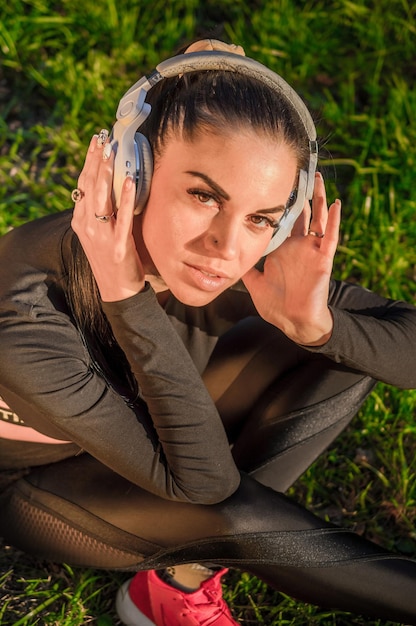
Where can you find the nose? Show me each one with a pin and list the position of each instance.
(223, 238)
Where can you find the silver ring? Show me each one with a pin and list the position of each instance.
(77, 195)
(314, 233)
(102, 137)
(104, 218)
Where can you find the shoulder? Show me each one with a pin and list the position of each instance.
(37, 232)
(32, 258)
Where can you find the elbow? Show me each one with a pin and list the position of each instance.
(215, 496)
(212, 491)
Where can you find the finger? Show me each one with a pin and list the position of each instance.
(95, 182)
(330, 241)
(319, 206)
(100, 189)
(302, 223)
(94, 157)
(87, 173)
(80, 205)
(89, 159)
(124, 223)
(125, 213)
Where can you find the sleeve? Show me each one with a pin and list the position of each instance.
(372, 334)
(172, 443)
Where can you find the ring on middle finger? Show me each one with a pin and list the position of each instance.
(315, 233)
(102, 137)
(104, 218)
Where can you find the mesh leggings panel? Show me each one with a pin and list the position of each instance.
(37, 531)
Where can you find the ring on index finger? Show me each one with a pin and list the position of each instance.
(77, 195)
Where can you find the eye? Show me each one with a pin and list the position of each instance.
(262, 222)
(205, 197)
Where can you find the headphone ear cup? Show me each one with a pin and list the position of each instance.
(145, 171)
(288, 220)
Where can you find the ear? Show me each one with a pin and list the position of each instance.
(145, 169)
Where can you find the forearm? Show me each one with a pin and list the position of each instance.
(372, 334)
(183, 414)
(48, 378)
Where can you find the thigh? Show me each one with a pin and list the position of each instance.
(246, 361)
(80, 512)
(297, 419)
(281, 405)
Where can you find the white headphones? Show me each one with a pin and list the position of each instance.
(133, 151)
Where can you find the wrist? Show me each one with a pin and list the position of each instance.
(311, 334)
(116, 293)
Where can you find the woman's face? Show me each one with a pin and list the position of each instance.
(212, 209)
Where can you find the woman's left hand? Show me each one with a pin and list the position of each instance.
(292, 291)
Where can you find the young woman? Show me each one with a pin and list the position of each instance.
(161, 389)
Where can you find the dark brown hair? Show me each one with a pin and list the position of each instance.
(222, 102)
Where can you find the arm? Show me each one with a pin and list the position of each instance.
(179, 448)
(372, 334)
(347, 323)
(179, 451)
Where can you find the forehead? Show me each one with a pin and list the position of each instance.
(242, 162)
(203, 139)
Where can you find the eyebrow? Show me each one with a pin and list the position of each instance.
(221, 192)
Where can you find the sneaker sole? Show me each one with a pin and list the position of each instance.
(127, 611)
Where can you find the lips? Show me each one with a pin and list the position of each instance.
(208, 271)
(207, 278)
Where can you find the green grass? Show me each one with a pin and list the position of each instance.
(63, 67)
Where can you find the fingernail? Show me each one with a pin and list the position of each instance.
(128, 182)
(107, 151)
(102, 137)
(319, 175)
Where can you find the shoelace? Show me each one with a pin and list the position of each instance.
(207, 611)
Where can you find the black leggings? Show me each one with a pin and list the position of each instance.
(281, 406)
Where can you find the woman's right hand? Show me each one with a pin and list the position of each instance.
(109, 245)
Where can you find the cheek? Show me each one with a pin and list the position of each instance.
(250, 261)
(153, 232)
(253, 251)
(161, 230)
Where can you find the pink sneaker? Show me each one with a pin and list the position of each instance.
(146, 600)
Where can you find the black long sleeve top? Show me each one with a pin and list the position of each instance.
(171, 440)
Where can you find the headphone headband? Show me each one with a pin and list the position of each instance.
(133, 111)
(220, 61)
(229, 62)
